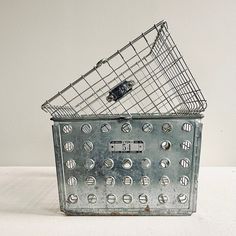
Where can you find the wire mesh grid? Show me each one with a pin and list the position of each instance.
(147, 76)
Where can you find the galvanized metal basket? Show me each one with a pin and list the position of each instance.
(127, 134)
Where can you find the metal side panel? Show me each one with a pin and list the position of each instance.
(59, 164)
(196, 156)
(127, 167)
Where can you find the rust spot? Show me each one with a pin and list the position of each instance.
(147, 208)
(115, 213)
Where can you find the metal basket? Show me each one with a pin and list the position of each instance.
(149, 70)
(127, 134)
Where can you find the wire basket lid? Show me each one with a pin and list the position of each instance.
(146, 76)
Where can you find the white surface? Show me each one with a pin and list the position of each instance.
(29, 206)
(45, 45)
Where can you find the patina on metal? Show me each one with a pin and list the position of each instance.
(124, 180)
(127, 134)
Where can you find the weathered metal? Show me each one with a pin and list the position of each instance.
(127, 134)
(154, 181)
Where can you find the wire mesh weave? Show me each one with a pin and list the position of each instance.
(162, 82)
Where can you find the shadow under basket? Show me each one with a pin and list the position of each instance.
(127, 134)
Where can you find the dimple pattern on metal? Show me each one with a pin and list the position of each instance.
(161, 180)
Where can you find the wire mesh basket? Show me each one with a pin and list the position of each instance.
(147, 76)
(127, 134)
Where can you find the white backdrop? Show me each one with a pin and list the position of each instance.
(46, 44)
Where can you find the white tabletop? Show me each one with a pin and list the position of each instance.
(29, 206)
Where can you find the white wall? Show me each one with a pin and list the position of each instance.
(46, 44)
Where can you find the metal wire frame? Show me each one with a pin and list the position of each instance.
(164, 84)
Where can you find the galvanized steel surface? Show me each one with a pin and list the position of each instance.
(160, 180)
(146, 76)
(127, 133)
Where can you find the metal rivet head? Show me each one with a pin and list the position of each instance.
(67, 129)
(72, 198)
(70, 164)
(105, 128)
(127, 198)
(143, 198)
(127, 180)
(111, 198)
(126, 127)
(145, 163)
(86, 128)
(88, 146)
(184, 180)
(147, 128)
(90, 180)
(164, 180)
(89, 164)
(110, 181)
(92, 198)
(109, 163)
(72, 181)
(127, 163)
(145, 180)
(162, 198)
(185, 163)
(182, 198)
(167, 127)
(69, 146)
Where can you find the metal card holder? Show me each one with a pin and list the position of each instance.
(127, 134)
